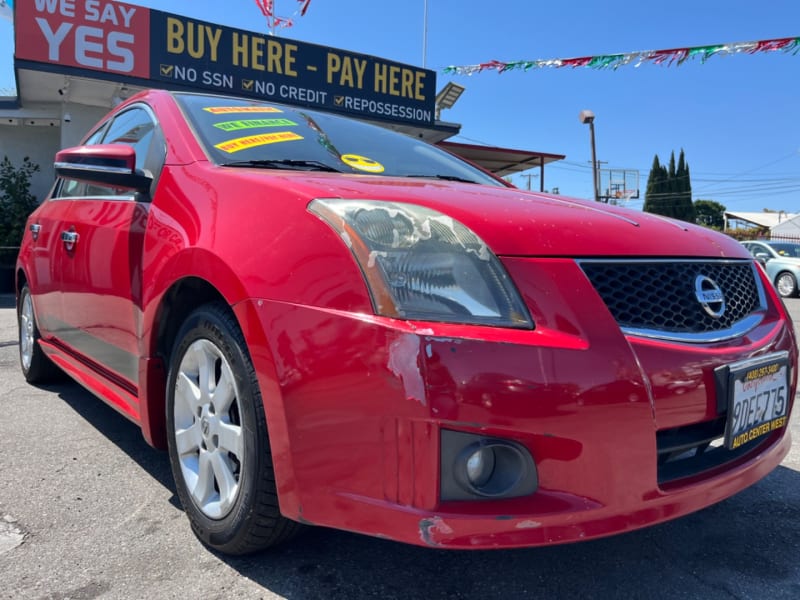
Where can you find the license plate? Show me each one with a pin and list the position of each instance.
(758, 398)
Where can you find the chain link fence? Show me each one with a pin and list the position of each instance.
(761, 233)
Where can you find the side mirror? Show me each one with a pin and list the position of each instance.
(762, 257)
(113, 165)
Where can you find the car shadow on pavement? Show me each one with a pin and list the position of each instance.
(124, 434)
(8, 301)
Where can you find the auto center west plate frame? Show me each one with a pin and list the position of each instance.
(755, 394)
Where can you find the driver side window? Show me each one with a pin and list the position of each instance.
(134, 127)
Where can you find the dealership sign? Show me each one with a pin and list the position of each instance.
(158, 49)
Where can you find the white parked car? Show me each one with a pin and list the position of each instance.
(781, 261)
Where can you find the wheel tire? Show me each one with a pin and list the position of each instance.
(217, 436)
(786, 284)
(36, 366)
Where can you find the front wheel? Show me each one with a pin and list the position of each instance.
(786, 284)
(218, 445)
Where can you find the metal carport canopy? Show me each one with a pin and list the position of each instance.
(502, 161)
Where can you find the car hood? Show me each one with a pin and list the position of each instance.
(788, 260)
(515, 222)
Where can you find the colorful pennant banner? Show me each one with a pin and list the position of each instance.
(675, 56)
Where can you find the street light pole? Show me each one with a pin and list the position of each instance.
(587, 116)
(424, 32)
(595, 169)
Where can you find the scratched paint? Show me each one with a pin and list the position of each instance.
(428, 527)
(528, 524)
(404, 363)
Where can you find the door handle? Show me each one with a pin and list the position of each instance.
(70, 238)
(35, 229)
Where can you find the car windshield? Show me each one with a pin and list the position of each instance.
(786, 249)
(239, 132)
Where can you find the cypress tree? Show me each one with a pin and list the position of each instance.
(672, 187)
(683, 195)
(652, 194)
(669, 190)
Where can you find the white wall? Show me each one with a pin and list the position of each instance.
(82, 119)
(789, 228)
(39, 143)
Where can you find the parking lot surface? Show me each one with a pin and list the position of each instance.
(88, 510)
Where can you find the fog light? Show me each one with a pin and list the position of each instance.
(480, 466)
(475, 467)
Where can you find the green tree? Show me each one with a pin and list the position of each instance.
(669, 190)
(684, 209)
(16, 200)
(655, 191)
(709, 213)
(672, 186)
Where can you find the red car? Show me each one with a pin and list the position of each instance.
(329, 323)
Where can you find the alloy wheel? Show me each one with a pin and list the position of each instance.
(786, 285)
(208, 432)
(26, 332)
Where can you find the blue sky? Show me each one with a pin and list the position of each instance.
(736, 117)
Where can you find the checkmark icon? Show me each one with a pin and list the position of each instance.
(166, 70)
(247, 85)
(338, 100)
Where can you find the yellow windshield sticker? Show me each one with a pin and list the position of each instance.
(253, 124)
(221, 110)
(362, 163)
(251, 141)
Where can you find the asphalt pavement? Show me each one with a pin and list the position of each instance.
(88, 510)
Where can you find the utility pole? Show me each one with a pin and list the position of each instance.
(528, 175)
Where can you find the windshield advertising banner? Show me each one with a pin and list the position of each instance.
(132, 43)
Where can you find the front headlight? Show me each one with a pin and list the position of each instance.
(421, 264)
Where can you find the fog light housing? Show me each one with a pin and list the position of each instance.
(479, 467)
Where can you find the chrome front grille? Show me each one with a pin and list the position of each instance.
(659, 298)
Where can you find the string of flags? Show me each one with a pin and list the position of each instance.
(267, 8)
(674, 56)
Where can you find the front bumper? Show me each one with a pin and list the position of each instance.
(355, 405)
